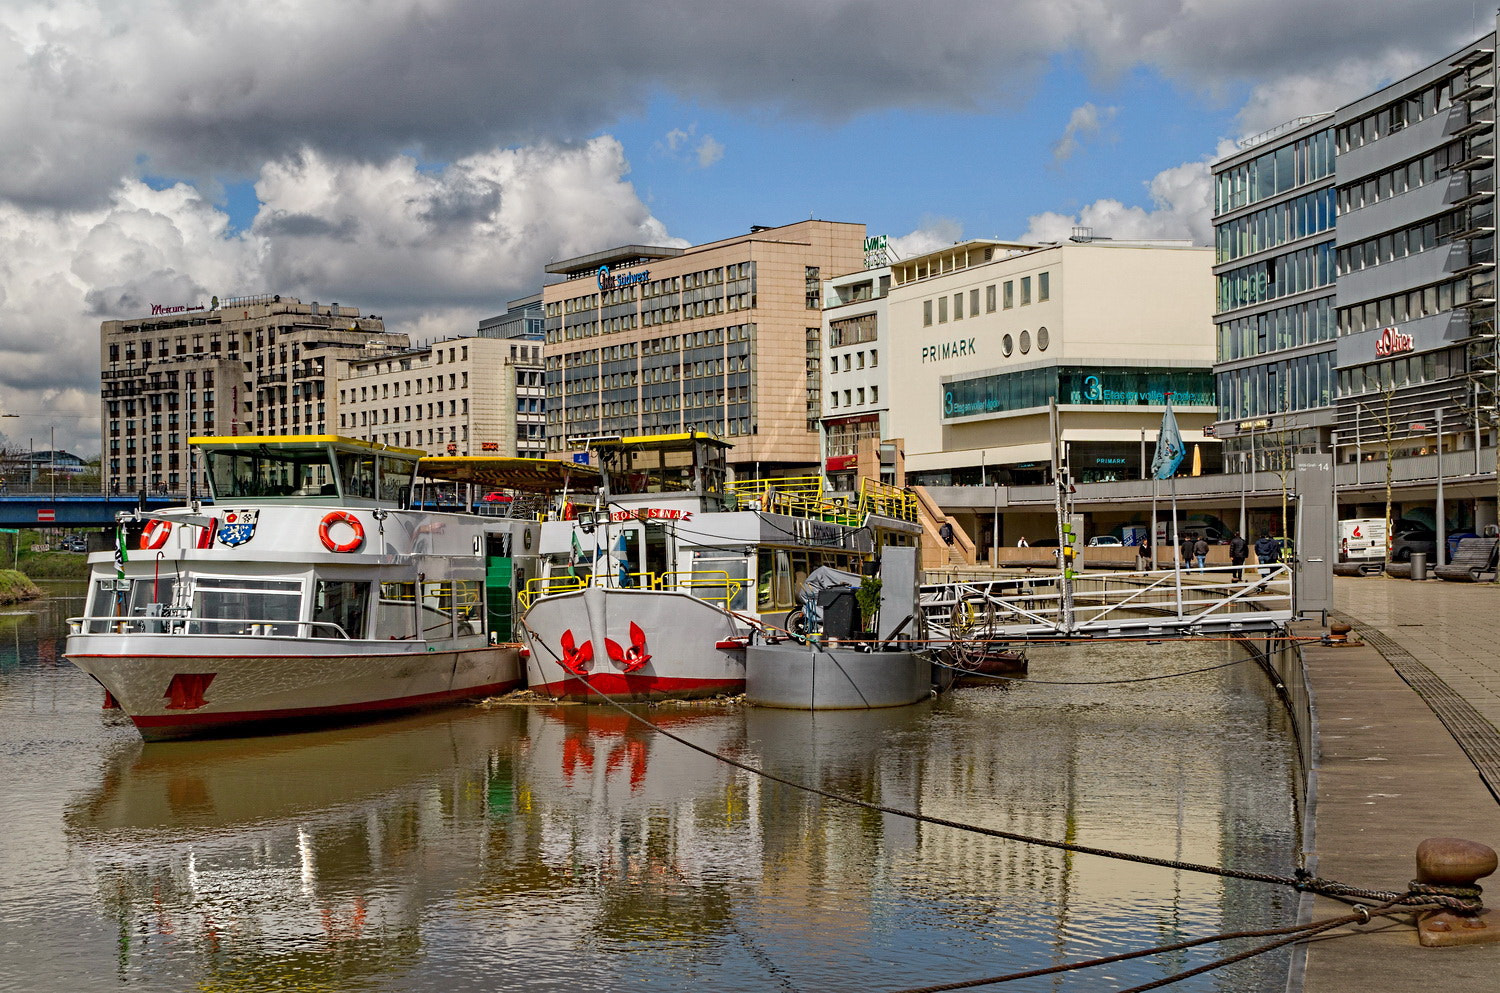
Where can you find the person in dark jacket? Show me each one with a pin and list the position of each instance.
(1186, 551)
(1239, 550)
(1200, 552)
(946, 532)
(1145, 553)
(1266, 549)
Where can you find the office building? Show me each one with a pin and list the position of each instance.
(723, 337)
(855, 383)
(1274, 232)
(985, 333)
(463, 396)
(249, 365)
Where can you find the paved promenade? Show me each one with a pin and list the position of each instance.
(1409, 743)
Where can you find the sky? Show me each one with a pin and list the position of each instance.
(425, 159)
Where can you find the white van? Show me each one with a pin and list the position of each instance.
(1362, 539)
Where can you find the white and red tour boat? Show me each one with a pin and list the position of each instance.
(312, 589)
(656, 591)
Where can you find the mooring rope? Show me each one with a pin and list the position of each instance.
(1448, 898)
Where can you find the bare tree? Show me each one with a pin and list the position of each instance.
(1385, 423)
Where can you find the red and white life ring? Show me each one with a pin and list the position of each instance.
(155, 533)
(345, 518)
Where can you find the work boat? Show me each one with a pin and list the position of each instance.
(311, 590)
(655, 593)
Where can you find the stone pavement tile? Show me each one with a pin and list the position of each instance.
(1389, 776)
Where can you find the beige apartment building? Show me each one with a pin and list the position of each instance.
(465, 396)
(249, 365)
(984, 333)
(723, 337)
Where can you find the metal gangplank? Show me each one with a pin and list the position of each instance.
(1116, 604)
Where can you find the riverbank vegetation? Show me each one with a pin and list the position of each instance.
(15, 587)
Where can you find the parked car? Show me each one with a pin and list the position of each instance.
(1420, 540)
(75, 543)
(1104, 539)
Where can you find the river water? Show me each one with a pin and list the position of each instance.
(567, 848)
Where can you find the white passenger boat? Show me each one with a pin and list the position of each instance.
(655, 593)
(311, 590)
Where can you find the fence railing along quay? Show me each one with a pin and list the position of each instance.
(1163, 602)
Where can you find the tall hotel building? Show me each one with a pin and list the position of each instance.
(251, 365)
(1356, 270)
(723, 337)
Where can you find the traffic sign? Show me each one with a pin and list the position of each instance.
(45, 516)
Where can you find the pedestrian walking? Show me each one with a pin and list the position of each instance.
(1023, 543)
(946, 532)
(1265, 550)
(1200, 552)
(1185, 551)
(1239, 550)
(1145, 552)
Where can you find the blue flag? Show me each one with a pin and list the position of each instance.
(1169, 447)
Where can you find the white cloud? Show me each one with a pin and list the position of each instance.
(430, 251)
(709, 151)
(1085, 123)
(935, 233)
(1180, 210)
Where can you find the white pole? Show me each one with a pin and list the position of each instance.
(1442, 512)
(1155, 489)
(1176, 546)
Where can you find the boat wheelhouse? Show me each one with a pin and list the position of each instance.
(655, 592)
(310, 590)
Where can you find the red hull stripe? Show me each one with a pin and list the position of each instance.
(299, 713)
(617, 684)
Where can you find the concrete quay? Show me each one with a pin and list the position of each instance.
(1405, 734)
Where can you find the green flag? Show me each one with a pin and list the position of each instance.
(121, 556)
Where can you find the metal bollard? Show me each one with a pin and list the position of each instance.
(1418, 565)
(1458, 863)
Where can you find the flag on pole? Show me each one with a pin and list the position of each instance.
(121, 556)
(1169, 447)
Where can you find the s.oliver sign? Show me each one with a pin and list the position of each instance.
(1393, 342)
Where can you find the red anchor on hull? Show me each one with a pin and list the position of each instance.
(576, 657)
(632, 658)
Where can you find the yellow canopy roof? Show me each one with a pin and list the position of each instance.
(510, 473)
(661, 442)
(294, 441)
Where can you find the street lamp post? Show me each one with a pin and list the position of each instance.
(1441, 551)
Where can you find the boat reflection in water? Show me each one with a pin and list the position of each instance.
(567, 847)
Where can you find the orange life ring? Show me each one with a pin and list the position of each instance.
(341, 517)
(155, 534)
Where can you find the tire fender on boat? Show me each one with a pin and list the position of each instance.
(155, 533)
(341, 517)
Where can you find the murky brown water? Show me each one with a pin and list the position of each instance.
(566, 848)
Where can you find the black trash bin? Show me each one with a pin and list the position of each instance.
(839, 612)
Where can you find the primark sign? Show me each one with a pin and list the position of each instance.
(958, 348)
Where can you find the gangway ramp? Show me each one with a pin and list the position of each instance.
(1163, 603)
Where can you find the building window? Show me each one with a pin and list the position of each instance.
(1010, 294)
(1025, 290)
(1043, 287)
(942, 310)
(989, 299)
(814, 286)
(926, 320)
(958, 306)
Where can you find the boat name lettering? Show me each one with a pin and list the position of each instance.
(652, 514)
(807, 530)
(950, 349)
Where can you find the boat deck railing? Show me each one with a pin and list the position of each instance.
(1019, 608)
(806, 496)
(166, 623)
(714, 586)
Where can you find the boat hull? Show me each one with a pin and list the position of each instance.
(803, 677)
(170, 696)
(686, 641)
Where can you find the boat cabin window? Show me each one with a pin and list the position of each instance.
(132, 597)
(357, 474)
(720, 576)
(396, 613)
(340, 609)
(780, 573)
(451, 609)
(246, 606)
(395, 479)
(266, 472)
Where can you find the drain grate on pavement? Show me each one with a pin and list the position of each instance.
(1475, 735)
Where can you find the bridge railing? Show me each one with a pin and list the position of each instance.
(1110, 603)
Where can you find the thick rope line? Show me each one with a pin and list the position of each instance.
(1467, 900)
(1296, 931)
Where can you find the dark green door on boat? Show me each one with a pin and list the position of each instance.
(499, 593)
